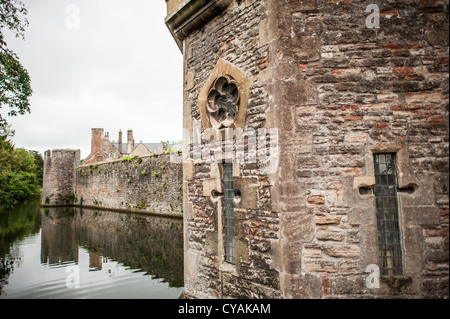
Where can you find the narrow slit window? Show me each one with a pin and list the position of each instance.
(385, 190)
(228, 212)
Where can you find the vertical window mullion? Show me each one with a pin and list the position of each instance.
(228, 212)
(385, 191)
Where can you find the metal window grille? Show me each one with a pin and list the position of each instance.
(229, 212)
(385, 190)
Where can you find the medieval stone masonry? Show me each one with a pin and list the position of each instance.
(59, 176)
(148, 184)
(144, 184)
(315, 155)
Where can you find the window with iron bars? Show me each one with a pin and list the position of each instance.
(385, 190)
(228, 212)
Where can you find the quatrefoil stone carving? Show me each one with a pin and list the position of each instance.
(224, 97)
(223, 102)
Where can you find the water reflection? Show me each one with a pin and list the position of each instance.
(15, 225)
(58, 237)
(108, 242)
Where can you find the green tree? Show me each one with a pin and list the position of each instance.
(39, 162)
(18, 174)
(15, 83)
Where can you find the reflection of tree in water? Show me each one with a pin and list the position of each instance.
(148, 243)
(15, 225)
(8, 263)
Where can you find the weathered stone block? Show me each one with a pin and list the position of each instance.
(342, 250)
(312, 253)
(330, 235)
(437, 29)
(301, 286)
(316, 200)
(328, 220)
(349, 285)
(321, 266)
(304, 5)
(422, 215)
(297, 226)
(363, 181)
(212, 186)
(248, 188)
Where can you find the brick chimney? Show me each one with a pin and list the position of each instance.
(120, 142)
(96, 140)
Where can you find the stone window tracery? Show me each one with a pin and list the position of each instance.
(223, 102)
(223, 98)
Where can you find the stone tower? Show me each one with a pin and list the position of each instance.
(59, 179)
(315, 147)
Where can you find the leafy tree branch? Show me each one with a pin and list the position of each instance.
(15, 83)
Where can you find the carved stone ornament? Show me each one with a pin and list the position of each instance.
(224, 97)
(223, 102)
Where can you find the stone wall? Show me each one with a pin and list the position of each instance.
(59, 176)
(233, 37)
(151, 184)
(342, 92)
(337, 91)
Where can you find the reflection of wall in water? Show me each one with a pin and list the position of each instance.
(58, 243)
(95, 262)
(153, 244)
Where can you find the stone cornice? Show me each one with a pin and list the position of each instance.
(183, 17)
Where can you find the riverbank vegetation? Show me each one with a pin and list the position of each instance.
(20, 170)
(20, 174)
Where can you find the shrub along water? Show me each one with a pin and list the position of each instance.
(20, 174)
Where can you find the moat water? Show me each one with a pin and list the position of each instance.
(82, 253)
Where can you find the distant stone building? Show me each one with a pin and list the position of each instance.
(102, 149)
(315, 148)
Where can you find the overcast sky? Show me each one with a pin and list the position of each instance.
(109, 64)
